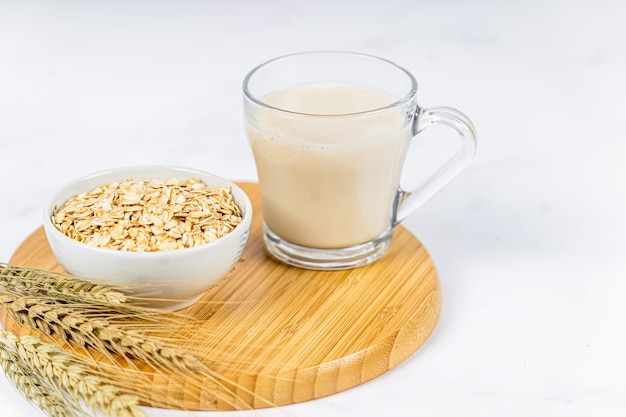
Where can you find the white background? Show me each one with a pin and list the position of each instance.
(529, 241)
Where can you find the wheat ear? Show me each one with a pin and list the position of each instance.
(34, 388)
(88, 327)
(106, 337)
(42, 302)
(58, 382)
(25, 280)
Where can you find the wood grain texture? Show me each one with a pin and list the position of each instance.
(284, 335)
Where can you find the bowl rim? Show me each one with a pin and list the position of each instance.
(49, 209)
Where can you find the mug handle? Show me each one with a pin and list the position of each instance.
(408, 201)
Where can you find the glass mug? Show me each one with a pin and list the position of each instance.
(330, 131)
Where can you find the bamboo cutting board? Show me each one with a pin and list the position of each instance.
(285, 335)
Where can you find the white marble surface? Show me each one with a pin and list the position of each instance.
(529, 241)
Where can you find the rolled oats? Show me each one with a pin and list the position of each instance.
(149, 215)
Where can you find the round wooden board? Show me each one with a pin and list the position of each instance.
(285, 335)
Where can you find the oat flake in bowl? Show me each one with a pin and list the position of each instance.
(146, 215)
(169, 279)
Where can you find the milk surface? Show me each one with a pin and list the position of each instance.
(329, 178)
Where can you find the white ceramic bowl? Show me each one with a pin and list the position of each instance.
(169, 279)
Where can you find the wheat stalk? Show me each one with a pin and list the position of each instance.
(106, 337)
(34, 388)
(24, 280)
(79, 324)
(58, 381)
(101, 319)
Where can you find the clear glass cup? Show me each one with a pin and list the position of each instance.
(330, 131)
